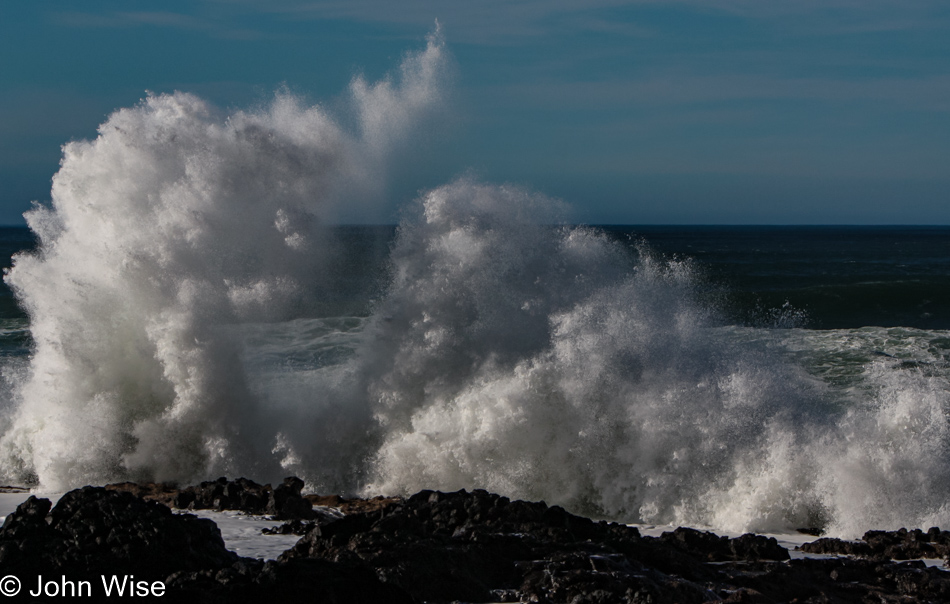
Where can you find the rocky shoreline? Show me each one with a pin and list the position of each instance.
(435, 547)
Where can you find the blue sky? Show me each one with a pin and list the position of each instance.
(715, 111)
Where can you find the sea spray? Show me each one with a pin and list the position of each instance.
(185, 308)
(549, 362)
(176, 221)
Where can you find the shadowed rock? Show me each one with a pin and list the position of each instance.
(284, 502)
(713, 548)
(93, 530)
(446, 547)
(888, 545)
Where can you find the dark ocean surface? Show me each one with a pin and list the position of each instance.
(838, 277)
(825, 277)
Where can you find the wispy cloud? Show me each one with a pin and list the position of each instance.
(128, 19)
(489, 21)
(485, 22)
(930, 93)
(834, 17)
(506, 22)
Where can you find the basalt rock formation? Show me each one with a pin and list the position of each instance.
(284, 502)
(888, 545)
(92, 531)
(446, 547)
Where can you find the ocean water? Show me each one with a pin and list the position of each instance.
(185, 308)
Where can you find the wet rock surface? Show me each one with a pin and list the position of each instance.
(713, 548)
(479, 547)
(901, 544)
(312, 580)
(92, 530)
(445, 547)
(352, 505)
(293, 527)
(283, 502)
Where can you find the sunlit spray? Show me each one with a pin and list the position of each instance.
(183, 308)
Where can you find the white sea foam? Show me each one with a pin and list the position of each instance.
(179, 306)
(549, 363)
(178, 220)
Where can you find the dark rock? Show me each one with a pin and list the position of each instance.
(293, 527)
(27, 517)
(713, 548)
(223, 494)
(828, 545)
(577, 577)
(888, 545)
(96, 531)
(477, 547)
(151, 491)
(701, 544)
(445, 547)
(184, 500)
(327, 582)
(908, 545)
(284, 503)
(317, 581)
(757, 547)
(93, 530)
(352, 505)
